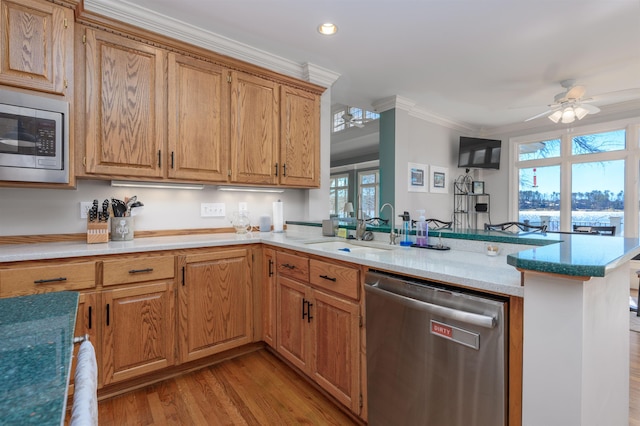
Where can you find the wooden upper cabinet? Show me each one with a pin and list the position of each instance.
(300, 138)
(124, 108)
(36, 45)
(198, 124)
(254, 129)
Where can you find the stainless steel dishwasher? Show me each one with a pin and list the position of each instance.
(435, 355)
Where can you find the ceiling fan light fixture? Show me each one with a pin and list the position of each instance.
(568, 115)
(580, 112)
(556, 116)
(327, 29)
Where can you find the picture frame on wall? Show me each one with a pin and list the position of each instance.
(417, 177)
(478, 187)
(439, 179)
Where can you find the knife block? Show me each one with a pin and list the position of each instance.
(97, 232)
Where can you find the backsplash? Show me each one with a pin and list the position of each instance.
(25, 211)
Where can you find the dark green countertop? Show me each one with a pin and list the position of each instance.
(573, 254)
(36, 346)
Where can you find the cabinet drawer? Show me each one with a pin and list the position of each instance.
(45, 278)
(138, 269)
(293, 266)
(336, 278)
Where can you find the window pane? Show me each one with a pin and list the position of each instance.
(536, 150)
(597, 193)
(599, 142)
(369, 198)
(368, 178)
(539, 196)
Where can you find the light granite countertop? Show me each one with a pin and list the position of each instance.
(466, 264)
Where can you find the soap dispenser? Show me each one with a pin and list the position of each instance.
(422, 230)
(406, 225)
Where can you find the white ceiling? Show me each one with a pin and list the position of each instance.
(481, 63)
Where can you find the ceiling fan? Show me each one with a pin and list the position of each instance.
(350, 120)
(569, 105)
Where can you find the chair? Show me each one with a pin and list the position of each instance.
(595, 230)
(438, 224)
(521, 226)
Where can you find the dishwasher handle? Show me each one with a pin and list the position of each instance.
(455, 314)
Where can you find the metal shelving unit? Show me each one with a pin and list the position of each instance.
(469, 207)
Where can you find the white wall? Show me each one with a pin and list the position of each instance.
(423, 142)
(51, 211)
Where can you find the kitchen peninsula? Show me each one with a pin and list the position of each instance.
(575, 296)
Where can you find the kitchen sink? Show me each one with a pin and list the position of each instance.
(349, 246)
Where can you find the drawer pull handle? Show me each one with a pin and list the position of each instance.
(50, 280)
(138, 271)
(328, 278)
(286, 265)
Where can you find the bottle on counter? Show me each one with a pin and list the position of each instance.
(406, 229)
(422, 230)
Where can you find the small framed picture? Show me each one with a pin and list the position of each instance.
(439, 180)
(417, 178)
(478, 187)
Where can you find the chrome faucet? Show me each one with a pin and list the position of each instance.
(392, 234)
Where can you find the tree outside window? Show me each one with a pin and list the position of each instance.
(368, 190)
(338, 193)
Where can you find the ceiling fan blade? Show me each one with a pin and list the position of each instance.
(576, 92)
(591, 108)
(549, 111)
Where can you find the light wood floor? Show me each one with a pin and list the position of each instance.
(258, 389)
(253, 389)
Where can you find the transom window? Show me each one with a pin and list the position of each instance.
(348, 117)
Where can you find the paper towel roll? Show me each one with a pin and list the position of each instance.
(278, 216)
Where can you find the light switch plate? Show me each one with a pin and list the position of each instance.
(85, 206)
(212, 210)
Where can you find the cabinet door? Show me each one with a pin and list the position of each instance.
(198, 125)
(215, 303)
(86, 324)
(36, 45)
(292, 334)
(269, 297)
(300, 138)
(254, 129)
(336, 331)
(124, 107)
(138, 330)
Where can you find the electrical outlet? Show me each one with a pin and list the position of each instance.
(242, 206)
(85, 206)
(212, 210)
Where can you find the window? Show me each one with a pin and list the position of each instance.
(359, 117)
(338, 193)
(573, 180)
(368, 190)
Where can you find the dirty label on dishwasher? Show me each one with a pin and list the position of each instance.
(455, 334)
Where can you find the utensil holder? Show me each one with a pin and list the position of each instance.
(122, 228)
(97, 232)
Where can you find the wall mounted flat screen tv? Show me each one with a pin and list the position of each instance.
(477, 153)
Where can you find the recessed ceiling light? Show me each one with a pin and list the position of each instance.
(327, 29)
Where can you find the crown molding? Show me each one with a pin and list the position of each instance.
(132, 14)
(319, 75)
(406, 104)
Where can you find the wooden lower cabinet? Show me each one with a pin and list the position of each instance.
(138, 330)
(86, 324)
(319, 333)
(215, 303)
(269, 297)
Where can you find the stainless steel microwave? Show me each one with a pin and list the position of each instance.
(34, 138)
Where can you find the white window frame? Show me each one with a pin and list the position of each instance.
(339, 209)
(368, 185)
(631, 156)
